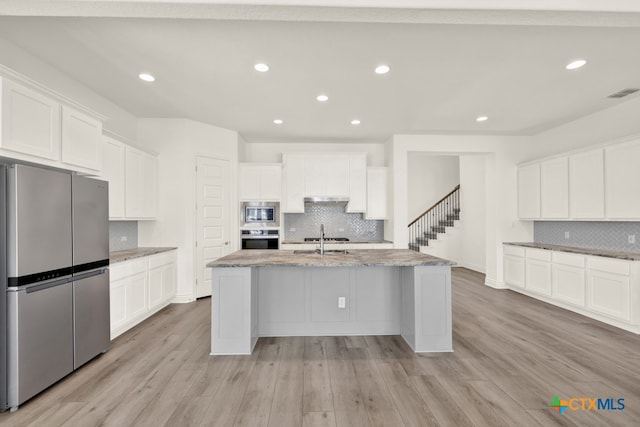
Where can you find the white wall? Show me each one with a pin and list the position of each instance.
(178, 142)
(430, 178)
(613, 123)
(271, 150)
(502, 224)
(473, 216)
(118, 120)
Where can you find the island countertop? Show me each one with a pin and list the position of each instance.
(353, 258)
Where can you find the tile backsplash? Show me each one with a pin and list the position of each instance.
(337, 223)
(123, 235)
(588, 234)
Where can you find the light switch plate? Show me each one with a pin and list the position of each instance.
(566, 234)
(632, 239)
(342, 302)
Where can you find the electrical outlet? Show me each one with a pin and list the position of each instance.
(292, 229)
(632, 239)
(342, 302)
(340, 229)
(566, 234)
(123, 238)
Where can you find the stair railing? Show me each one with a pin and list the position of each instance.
(433, 221)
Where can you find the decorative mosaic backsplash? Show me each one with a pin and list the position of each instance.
(120, 229)
(337, 223)
(597, 234)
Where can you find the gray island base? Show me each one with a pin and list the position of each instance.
(264, 293)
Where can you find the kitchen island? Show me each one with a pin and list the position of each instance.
(357, 292)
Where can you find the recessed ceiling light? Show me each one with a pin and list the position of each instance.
(146, 77)
(382, 69)
(576, 64)
(482, 119)
(355, 122)
(278, 121)
(263, 68)
(322, 98)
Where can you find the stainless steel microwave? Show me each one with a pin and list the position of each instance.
(263, 214)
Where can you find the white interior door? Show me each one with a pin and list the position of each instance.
(213, 222)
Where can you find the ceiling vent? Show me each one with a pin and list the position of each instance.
(623, 93)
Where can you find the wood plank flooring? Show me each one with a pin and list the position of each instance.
(512, 355)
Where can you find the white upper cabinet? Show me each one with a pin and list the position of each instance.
(586, 185)
(113, 171)
(294, 183)
(377, 193)
(622, 180)
(357, 183)
(554, 188)
(81, 139)
(337, 176)
(140, 184)
(260, 181)
(529, 191)
(30, 122)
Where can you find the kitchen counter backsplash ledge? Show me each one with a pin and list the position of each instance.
(632, 256)
(129, 254)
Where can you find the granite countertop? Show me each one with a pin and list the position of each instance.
(333, 242)
(632, 256)
(353, 258)
(129, 254)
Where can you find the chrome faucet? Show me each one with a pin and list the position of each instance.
(321, 239)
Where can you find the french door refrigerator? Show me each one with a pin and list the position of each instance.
(58, 281)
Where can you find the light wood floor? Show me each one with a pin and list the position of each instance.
(512, 354)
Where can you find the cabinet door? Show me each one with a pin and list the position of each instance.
(250, 182)
(609, 294)
(586, 185)
(117, 298)
(376, 193)
(538, 277)
(136, 296)
(168, 282)
(622, 180)
(294, 175)
(271, 183)
(568, 284)
(529, 191)
(134, 160)
(149, 185)
(357, 183)
(113, 171)
(30, 122)
(155, 287)
(554, 188)
(337, 176)
(315, 175)
(514, 271)
(81, 139)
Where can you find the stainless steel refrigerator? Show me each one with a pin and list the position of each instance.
(58, 279)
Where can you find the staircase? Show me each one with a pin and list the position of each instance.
(435, 220)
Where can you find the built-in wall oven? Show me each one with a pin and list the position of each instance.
(259, 239)
(260, 214)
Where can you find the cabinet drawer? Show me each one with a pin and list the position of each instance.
(572, 260)
(538, 254)
(608, 265)
(513, 250)
(162, 259)
(127, 268)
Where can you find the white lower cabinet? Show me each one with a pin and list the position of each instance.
(139, 288)
(602, 288)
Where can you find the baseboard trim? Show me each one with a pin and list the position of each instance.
(183, 299)
(492, 283)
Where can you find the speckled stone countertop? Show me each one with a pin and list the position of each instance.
(354, 258)
(632, 256)
(129, 254)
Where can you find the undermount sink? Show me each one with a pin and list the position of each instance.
(326, 252)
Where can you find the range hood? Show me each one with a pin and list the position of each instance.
(327, 200)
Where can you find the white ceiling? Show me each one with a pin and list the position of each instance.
(443, 75)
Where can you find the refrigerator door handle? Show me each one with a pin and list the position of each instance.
(44, 286)
(88, 274)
